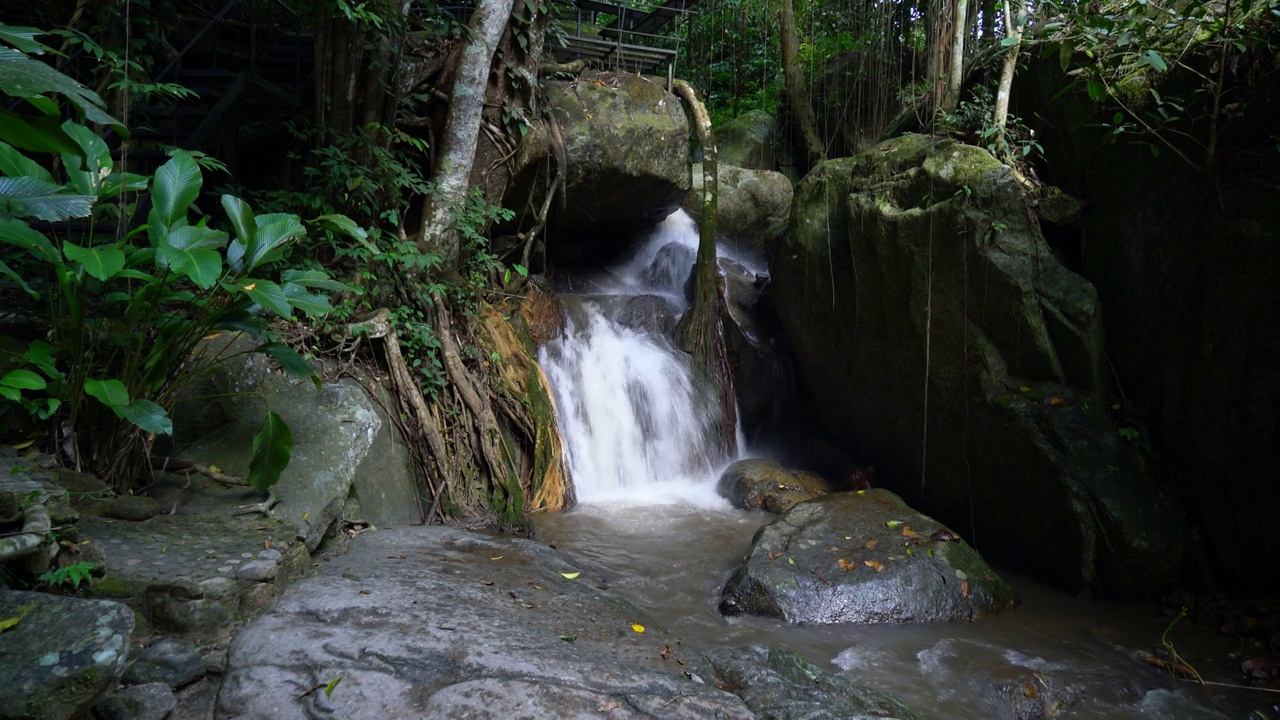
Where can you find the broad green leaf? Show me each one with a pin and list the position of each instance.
(235, 255)
(313, 279)
(23, 77)
(309, 303)
(103, 263)
(9, 272)
(149, 416)
(23, 380)
(31, 197)
(111, 393)
(24, 39)
(190, 251)
(291, 361)
(15, 164)
(16, 232)
(270, 237)
(118, 182)
(241, 216)
(10, 394)
(96, 154)
(176, 185)
(1097, 91)
(272, 447)
(1152, 58)
(35, 134)
(267, 294)
(343, 224)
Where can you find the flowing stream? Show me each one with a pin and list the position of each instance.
(642, 465)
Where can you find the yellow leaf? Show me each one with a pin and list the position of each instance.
(637, 628)
(211, 336)
(6, 624)
(846, 565)
(250, 286)
(496, 557)
(215, 468)
(848, 537)
(908, 532)
(877, 566)
(306, 515)
(571, 575)
(23, 444)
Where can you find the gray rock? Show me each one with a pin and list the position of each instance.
(134, 508)
(62, 655)
(671, 270)
(612, 190)
(387, 487)
(333, 429)
(196, 701)
(748, 201)
(651, 314)
(747, 141)
(918, 265)
(151, 701)
(765, 485)
(782, 685)
(205, 611)
(439, 622)
(862, 557)
(169, 661)
(258, 570)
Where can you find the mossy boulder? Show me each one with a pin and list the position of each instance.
(759, 484)
(626, 143)
(946, 345)
(748, 204)
(863, 557)
(748, 141)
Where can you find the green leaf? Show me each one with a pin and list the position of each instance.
(111, 393)
(15, 164)
(893, 523)
(291, 361)
(176, 185)
(1097, 91)
(23, 38)
(9, 272)
(272, 233)
(31, 197)
(101, 262)
(328, 689)
(309, 303)
(149, 416)
(23, 380)
(23, 77)
(343, 224)
(1152, 58)
(272, 447)
(267, 294)
(16, 232)
(313, 279)
(35, 134)
(97, 159)
(241, 216)
(189, 251)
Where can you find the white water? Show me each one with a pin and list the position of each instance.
(636, 428)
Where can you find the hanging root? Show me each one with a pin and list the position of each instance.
(562, 164)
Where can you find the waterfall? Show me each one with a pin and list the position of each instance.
(636, 428)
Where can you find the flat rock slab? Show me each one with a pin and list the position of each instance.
(440, 622)
(862, 557)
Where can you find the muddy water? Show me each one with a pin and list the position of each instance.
(672, 559)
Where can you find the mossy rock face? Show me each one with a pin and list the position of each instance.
(627, 146)
(946, 345)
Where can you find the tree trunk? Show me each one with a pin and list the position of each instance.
(797, 91)
(955, 76)
(462, 127)
(702, 330)
(1013, 28)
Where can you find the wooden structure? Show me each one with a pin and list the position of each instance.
(618, 37)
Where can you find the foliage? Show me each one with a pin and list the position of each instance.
(1173, 73)
(71, 575)
(128, 307)
(974, 117)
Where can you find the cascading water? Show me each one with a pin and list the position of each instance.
(636, 427)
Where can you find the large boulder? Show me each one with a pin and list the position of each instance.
(748, 141)
(441, 622)
(862, 557)
(61, 654)
(626, 144)
(944, 344)
(759, 484)
(748, 202)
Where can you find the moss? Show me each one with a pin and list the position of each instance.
(118, 586)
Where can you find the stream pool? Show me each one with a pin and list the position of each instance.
(672, 559)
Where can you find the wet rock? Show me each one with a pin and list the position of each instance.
(766, 485)
(134, 508)
(671, 270)
(205, 610)
(780, 684)
(439, 622)
(747, 141)
(748, 201)
(627, 144)
(196, 701)
(650, 313)
(862, 557)
(151, 701)
(884, 312)
(1007, 683)
(62, 655)
(169, 661)
(258, 570)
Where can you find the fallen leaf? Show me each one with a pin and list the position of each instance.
(944, 535)
(486, 582)
(893, 523)
(306, 515)
(637, 628)
(526, 606)
(568, 638)
(862, 492)
(266, 543)
(846, 565)
(1056, 401)
(871, 544)
(513, 595)
(791, 561)
(774, 555)
(835, 549)
(537, 586)
(961, 574)
(571, 575)
(496, 557)
(964, 589)
(911, 551)
(212, 336)
(611, 705)
(363, 592)
(848, 537)
(328, 689)
(876, 565)
(1024, 388)
(23, 445)
(908, 532)
(6, 624)
(215, 468)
